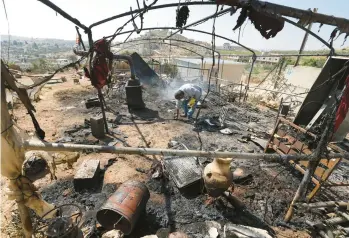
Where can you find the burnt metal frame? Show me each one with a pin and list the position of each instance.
(151, 8)
(193, 30)
(161, 39)
(183, 41)
(165, 43)
(89, 32)
(215, 15)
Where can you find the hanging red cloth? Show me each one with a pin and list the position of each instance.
(100, 67)
(343, 106)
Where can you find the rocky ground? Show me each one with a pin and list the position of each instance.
(266, 192)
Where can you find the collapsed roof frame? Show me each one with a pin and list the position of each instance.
(257, 5)
(262, 6)
(266, 7)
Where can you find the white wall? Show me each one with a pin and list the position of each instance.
(302, 76)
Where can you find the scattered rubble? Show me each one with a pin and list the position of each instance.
(262, 189)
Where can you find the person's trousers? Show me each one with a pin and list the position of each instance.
(188, 112)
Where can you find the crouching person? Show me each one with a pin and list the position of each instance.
(188, 94)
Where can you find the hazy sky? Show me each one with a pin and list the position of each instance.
(31, 18)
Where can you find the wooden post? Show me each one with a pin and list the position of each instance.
(305, 39)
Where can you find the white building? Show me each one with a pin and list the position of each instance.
(227, 46)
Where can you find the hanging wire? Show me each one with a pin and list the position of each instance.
(8, 32)
(213, 61)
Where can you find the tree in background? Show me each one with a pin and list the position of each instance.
(126, 52)
(14, 66)
(290, 61)
(314, 62)
(170, 69)
(40, 66)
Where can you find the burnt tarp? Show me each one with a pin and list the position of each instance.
(321, 90)
(144, 73)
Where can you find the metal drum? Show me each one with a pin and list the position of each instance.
(122, 210)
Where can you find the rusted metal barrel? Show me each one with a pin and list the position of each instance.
(122, 210)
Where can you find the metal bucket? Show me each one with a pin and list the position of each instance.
(122, 210)
(134, 96)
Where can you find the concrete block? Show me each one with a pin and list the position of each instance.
(97, 127)
(93, 102)
(87, 175)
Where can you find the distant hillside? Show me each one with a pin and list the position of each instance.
(32, 39)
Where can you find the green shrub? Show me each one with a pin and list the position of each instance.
(40, 66)
(170, 69)
(14, 66)
(314, 62)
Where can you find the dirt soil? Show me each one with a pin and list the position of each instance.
(61, 113)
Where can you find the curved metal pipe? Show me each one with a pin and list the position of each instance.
(311, 33)
(151, 8)
(217, 14)
(130, 62)
(193, 30)
(161, 43)
(64, 14)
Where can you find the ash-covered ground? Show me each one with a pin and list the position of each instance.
(266, 192)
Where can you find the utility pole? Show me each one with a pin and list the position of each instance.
(305, 39)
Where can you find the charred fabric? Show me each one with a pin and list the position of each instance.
(198, 193)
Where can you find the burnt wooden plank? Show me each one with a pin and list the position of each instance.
(280, 133)
(276, 142)
(284, 148)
